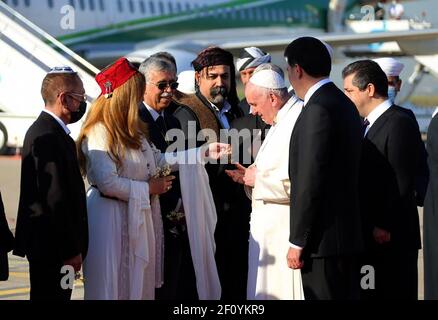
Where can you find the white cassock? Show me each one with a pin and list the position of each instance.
(269, 277)
(125, 253)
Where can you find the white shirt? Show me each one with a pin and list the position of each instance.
(376, 113)
(61, 123)
(153, 112)
(222, 117)
(314, 88)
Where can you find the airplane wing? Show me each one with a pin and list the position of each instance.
(412, 41)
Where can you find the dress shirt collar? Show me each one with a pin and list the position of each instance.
(61, 123)
(376, 113)
(153, 112)
(314, 88)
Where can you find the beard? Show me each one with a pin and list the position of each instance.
(218, 95)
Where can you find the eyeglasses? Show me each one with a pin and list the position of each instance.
(82, 97)
(163, 85)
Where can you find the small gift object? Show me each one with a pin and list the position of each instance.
(178, 220)
(162, 172)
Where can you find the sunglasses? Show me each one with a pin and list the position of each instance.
(163, 85)
(80, 97)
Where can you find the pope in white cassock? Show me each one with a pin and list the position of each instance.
(267, 182)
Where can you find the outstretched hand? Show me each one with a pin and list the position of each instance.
(217, 150)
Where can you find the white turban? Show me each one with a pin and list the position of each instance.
(186, 80)
(390, 66)
(268, 79)
(252, 57)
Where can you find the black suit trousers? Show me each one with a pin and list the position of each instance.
(331, 278)
(45, 281)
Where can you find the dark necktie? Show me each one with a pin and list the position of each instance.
(365, 125)
(161, 124)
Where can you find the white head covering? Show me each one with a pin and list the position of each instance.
(62, 69)
(390, 66)
(329, 49)
(251, 57)
(186, 80)
(268, 79)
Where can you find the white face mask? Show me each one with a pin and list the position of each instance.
(392, 93)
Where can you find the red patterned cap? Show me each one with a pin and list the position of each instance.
(114, 76)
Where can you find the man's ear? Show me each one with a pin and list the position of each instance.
(371, 89)
(300, 71)
(197, 77)
(399, 84)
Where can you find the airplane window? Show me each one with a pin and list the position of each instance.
(15, 3)
(27, 3)
(170, 7)
(266, 14)
(82, 4)
(152, 7)
(131, 6)
(242, 14)
(161, 7)
(72, 3)
(120, 5)
(250, 12)
(188, 6)
(91, 3)
(101, 5)
(281, 15)
(142, 6)
(259, 14)
(50, 3)
(178, 7)
(274, 15)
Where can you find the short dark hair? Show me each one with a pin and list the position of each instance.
(311, 55)
(366, 72)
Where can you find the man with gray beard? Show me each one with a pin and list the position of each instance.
(214, 106)
(156, 111)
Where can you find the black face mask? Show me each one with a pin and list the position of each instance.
(75, 116)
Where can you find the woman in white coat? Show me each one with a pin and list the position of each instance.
(125, 255)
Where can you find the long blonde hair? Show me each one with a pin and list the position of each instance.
(119, 115)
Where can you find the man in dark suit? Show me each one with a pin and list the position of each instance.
(6, 243)
(430, 222)
(392, 68)
(214, 106)
(325, 225)
(179, 274)
(52, 229)
(387, 183)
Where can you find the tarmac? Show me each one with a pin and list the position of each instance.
(17, 287)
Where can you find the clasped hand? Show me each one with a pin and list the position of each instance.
(243, 175)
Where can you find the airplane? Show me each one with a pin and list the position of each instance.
(99, 31)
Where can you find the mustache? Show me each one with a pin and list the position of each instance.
(218, 91)
(166, 95)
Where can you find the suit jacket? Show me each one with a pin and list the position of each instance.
(430, 223)
(324, 163)
(245, 107)
(168, 200)
(6, 243)
(52, 213)
(387, 185)
(250, 122)
(422, 175)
